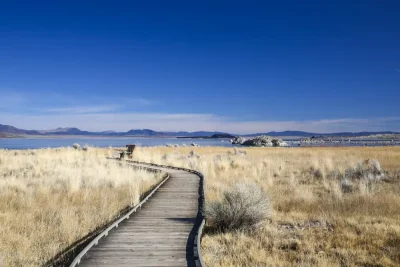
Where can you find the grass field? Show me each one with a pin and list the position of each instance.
(316, 221)
(50, 198)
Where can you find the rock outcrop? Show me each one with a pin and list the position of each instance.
(279, 142)
(259, 141)
(238, 140)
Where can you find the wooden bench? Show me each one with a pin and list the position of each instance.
(128, 151)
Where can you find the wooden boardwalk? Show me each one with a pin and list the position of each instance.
(162, 233)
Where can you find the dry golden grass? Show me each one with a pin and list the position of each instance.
(314, 223)
(50, 198)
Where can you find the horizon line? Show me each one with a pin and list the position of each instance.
(210, 131)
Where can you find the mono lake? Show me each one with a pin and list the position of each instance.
(53, 142)
(32, 143)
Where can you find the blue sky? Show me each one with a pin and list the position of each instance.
(242, 67)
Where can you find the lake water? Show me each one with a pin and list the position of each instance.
(32, 143)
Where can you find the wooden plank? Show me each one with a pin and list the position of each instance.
(158, 233)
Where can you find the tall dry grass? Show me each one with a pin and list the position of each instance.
(50, 198)
(315, 221)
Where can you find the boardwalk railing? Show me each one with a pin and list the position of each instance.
(200, 216)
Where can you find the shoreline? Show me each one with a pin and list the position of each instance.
(286, 138)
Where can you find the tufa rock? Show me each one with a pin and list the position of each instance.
(238, 140)
(278, 142)
(259, 141)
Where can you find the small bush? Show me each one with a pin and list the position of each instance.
(366, 170)
(76, 146)
(193, 154)
(366, 174)
(85, 147)
(238, 152)
(346, 185)
(243, 207)
(315, 172)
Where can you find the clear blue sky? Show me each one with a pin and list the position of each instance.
(248, 66)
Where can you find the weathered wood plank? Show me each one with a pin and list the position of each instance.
(159, 233)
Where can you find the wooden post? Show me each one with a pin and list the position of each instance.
(130, 149)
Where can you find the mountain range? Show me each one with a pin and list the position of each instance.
(7, 129)
(11, 130)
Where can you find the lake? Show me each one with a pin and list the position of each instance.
(53, 142)
(31, 143)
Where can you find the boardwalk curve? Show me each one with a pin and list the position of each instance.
(165, 231)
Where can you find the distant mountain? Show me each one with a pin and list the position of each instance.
(7, 129)
(8, 135)
(134, 132)
(214, 136)
(66, 131)
(222, 135)
(12, 130)
(192, 134)
(143, 132)
(285, 133)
